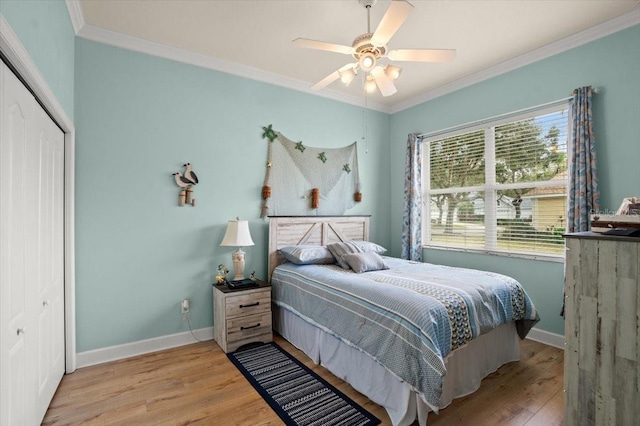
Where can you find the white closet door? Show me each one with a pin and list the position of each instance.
(17, 112)
(31, 255)
(45, 206)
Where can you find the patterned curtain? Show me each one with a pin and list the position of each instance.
(583, 183)
(412, 213)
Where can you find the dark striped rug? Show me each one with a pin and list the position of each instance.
(298, 395)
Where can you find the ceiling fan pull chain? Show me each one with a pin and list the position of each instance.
(364, 120)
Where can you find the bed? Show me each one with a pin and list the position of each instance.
(408, 344)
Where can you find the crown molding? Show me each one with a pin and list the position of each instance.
(123, 41)
(606, 28)
(75, 13)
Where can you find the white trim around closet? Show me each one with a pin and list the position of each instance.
(21, 61)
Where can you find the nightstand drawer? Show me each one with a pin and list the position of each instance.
(248, 304)
(242, 327)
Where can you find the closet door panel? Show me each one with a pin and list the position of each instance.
(48, 168)
(16, 118)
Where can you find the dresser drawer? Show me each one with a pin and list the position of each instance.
(246, 326)
(248, 304)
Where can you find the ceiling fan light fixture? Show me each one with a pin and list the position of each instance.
(370, 47)
(367, 61)
(370, 84)
(392, 71)
(347, 76)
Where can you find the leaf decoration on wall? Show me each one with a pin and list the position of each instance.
(269, 133)
(300, 147)
(322, 157)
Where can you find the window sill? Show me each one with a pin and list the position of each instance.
(530, 256)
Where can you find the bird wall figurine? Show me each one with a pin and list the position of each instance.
(189, 174)
(182, 181)
(186, 181)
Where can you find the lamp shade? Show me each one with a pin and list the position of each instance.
(347, 76)
(370, 84)
(237, 234)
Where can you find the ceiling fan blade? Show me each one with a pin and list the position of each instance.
(422, 55)
(321, 45)
(384, 83)
(392, 20)
(326, 81)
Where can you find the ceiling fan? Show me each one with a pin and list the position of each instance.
(370, 47)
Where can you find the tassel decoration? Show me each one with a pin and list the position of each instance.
(357, 197)
(266, 192)
(315, 198)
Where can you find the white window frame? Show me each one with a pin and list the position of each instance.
(490, 188)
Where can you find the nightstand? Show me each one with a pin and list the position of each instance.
(241, 316)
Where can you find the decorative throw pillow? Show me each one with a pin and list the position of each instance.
(368, 246)
(363, 262)
(307, 255)
(340, 249)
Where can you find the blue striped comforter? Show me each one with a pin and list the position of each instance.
(409, 317)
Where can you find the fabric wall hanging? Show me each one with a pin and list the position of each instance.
(302, 180)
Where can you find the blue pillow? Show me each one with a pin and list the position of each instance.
(339, 250)
(364, 262)
(307, 255)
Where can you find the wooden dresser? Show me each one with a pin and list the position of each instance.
(241, 316)
(602, 307)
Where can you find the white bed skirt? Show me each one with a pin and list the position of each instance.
(466, 366)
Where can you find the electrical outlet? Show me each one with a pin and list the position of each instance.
(184, 308)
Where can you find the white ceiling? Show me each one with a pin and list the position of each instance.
(257, 34)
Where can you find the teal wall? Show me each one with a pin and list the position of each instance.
(612, 64)
(138, 119)
(45, 30)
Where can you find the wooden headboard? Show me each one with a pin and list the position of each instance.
(313, 230)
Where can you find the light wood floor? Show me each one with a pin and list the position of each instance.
(197, 384)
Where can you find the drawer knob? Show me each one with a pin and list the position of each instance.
(250, 327)
(250, 305)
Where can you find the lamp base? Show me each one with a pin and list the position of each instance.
(238, 264)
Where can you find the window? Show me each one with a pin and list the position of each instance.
(498, 186)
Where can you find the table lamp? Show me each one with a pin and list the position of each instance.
(237, 235)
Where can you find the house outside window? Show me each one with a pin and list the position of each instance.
(499, 186)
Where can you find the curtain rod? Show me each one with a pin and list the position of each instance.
(501, 116)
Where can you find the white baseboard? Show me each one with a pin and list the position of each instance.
(113, 353)
(127, 350)
(546, 337)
